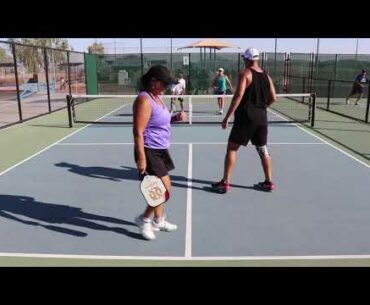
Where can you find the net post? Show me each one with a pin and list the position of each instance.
(329, 91)
(69, 102)
(368, 105)
(190, 111)
(313, 95)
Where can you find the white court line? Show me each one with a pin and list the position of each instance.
(326, 142)
(187, 143)
(188, 232)
(48, 147)
(193, 258)
(39, 152)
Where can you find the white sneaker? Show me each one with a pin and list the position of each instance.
(146, 228)
(221, 112)
(347, 102)
(164, 225)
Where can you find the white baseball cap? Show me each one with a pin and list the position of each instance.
(251, 54)
(220, 69)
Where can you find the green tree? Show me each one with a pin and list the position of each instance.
(4, 58)
(96, 48)
(31, 55)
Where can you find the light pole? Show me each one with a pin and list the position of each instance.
(317, 56)
(171, 54)
(275, 58)
(141, 56)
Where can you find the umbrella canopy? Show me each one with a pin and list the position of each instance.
(209, 43)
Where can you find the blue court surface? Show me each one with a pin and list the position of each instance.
(79, 198)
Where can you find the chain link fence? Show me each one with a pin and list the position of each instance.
(35, 80)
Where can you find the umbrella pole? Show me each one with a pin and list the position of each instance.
(200, 50)
(214, 59)
(205, 57)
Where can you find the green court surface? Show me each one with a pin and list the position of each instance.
(350, 135)
(18, 142)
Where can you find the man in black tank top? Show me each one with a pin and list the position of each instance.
(255, 92)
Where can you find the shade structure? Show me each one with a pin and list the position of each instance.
(211, 44)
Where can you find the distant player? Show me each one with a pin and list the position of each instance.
(62, 83)
(176, 90)
(220, 83)
(358, 87)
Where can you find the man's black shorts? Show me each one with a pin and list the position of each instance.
(158, 161)
(250, 123)
(357, 88)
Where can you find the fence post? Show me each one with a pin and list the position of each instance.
(69, 102)
(310, 73)
(239, 62)
(141, 57)
(69, 75)
(17, 82)
(189, 78)
(171, 55)
(85, 72)
(335, 66)
(47, 77)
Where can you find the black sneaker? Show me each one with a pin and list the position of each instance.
(221, 187)
(265, 186)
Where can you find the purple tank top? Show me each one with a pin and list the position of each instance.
(158, 131)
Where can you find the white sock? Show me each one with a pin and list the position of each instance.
(145, 219)
(158, 220)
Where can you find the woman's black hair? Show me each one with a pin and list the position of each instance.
(157, 72)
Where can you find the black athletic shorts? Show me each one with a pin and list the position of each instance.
(250, 123)
(357, 88)
(158, 161)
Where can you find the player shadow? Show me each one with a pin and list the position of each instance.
(15, 207)
(124, 114)
(341, 129)
(101, 172)
(50, 125)
(124, 173)
(131, 173)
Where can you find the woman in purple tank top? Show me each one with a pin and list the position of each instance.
(152, 132)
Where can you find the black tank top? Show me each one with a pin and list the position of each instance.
(258, 93)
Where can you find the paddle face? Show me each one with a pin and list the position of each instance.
(153, 190)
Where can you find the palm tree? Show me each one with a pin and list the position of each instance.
(96, 48)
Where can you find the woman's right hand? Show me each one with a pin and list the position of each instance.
(225, 122)
(141, 166)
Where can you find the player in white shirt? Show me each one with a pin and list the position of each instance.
(176, 90)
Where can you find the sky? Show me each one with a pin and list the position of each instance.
(298, 45)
